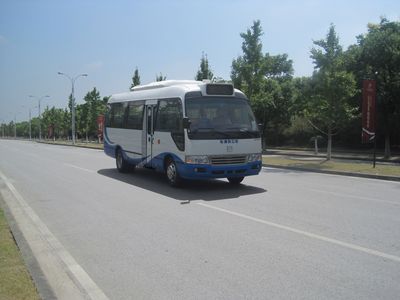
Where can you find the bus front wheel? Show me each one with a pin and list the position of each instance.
(235, 180)
(172, 173)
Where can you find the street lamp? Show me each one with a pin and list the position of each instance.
(40, 125)
(72, 79)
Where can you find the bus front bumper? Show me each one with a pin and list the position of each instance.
(200, 171)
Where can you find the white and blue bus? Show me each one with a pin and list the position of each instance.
(186, 129)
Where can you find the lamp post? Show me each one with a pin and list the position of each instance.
(72, 79)
(40, 125)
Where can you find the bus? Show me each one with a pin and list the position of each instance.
(186, 129)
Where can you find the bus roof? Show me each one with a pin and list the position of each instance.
(165, 83)
(173, 89)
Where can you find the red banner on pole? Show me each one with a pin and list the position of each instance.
(100, 127)
(368, 111)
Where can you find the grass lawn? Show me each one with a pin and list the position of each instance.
(334, 165)
(15, 281)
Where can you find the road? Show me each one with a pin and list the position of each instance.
(280, 235)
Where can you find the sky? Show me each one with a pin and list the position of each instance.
(108, 39)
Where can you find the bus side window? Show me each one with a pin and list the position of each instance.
(169, 118)
(135, 116)
(117, 114)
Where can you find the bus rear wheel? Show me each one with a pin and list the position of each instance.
(172, 173)
(122, 164)
(235, 180)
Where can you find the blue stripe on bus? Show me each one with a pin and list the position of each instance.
(190, 171)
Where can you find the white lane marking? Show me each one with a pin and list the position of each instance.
(77, 273)
(79, 168)
(355, 197)
(307, 234)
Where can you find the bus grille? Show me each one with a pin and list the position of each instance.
(228, 160)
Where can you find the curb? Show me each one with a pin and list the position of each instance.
(334, 156)
(71, 145)
(370, 176)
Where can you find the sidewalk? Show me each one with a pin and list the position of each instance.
(336, 154)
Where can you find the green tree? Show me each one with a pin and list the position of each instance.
(52, 119)
(65, 123)
(81, 119)
(328, 107)
(35, 127)
(90, 110)
(204, 71)
(378, 55)
(22, 129)
(266, 80)
(278, 66)
(135, 78)
(248, 70)
(161, 77)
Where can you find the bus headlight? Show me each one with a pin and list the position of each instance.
(253, 157)
(197, 159)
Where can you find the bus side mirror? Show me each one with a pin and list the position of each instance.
(186, 123)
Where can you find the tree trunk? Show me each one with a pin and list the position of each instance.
(387, 146)
(329, 147)
(316, 145)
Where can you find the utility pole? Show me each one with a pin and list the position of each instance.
(40, 123)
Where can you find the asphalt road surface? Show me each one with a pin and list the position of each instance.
(280, 235)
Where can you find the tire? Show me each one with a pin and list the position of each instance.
(235, 180)
(122, 165)
(172, 174)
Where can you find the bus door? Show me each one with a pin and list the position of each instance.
(148, 134)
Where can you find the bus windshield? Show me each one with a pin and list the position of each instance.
(220, 118)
